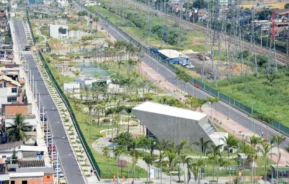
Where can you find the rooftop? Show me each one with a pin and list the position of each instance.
(4, 77)
(169, 111)
(172, 53)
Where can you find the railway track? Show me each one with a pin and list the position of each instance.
(281, 58)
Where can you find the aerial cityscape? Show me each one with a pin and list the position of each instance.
(144, 91)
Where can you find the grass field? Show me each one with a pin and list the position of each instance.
(251, 91)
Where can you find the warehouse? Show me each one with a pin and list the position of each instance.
(172, 56)
(172, 123)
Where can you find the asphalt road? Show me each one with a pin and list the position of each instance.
(71, 168)
(20, 32)
(221, 107)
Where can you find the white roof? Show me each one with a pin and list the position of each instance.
(71, 85)
(31, 148)
(4, 177)
(26, 174)
(169, 111)
(172, 53)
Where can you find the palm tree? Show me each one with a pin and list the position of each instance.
(179, 150)
(128, 111)
(214, 154)
(17, 130)
(148, 160)
(213, 101)
(162, 146)
(134, 161)
(201, 102)
(278, 140)
(98, 108)
(222, 163)
(230, 142)
(191, 100)
(105, 152)
(171, 154)
(254, 141)
(266, 151)
(118, 151)
(203, 145)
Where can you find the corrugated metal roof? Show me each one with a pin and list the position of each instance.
(172, 53)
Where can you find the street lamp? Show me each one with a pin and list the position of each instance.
(229, 105)
(278, 119)
(57, 159)
(252, 111)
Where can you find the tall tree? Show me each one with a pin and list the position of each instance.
(17, 130)
(203, 145)
(162, 146)
(179, 149)
(278, 140)
(148, 160)
(266, 151)
(105, 152)
(214, 155)
(230, 142)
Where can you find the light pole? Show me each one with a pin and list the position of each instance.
(229, 105)
(57, 160)
(57, 155)
(278, 119)
(252, 111)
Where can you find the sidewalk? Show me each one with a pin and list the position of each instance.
(230, 126)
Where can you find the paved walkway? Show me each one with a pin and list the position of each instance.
(227, 124)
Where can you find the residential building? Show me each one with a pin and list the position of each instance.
(9, 90)
(30, 166)
(72, 87)
(58, 31)
(63, 2)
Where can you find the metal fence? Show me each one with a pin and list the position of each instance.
(227, 99)
(74, 120)
(30, 27)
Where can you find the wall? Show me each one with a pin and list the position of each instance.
(36, 180)
(48, 178)
(4, 93)
(16, 109)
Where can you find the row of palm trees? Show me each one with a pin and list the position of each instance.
(172, 157)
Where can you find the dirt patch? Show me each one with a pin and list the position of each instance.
(236, 68)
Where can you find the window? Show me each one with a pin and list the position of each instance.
(11, 99)
(12, 182)
(14, 90)
(0, 85)
(4, 84)
(24, 182)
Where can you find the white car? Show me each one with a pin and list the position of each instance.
(190, 66)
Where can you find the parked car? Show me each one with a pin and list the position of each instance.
(43, 117)
(57, 169)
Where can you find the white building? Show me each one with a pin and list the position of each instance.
(72, 87)
(63, 2)
(8, 90)
(58, 31)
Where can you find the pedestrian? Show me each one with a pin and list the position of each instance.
(262, 134)
(91, 170)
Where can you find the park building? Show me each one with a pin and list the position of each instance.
(58, 31)
(176, 124)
